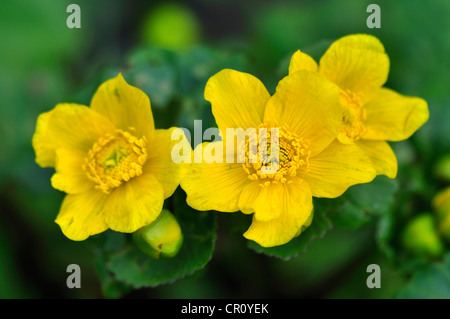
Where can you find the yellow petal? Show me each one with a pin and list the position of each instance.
(126, 106)
(266, 202)
(308, 222)
(215, 186)
(357, 63)
(381, 155)
(70, 176)
(337, 168)
(248, 196)
(167, 170)
(394, 117)
(308, 105)
(81, 215)
(296, 209)
(45, 154)
(237, 99)
(302, 61)
(134, 204)
(70, 126)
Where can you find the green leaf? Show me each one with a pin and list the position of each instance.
(320, 225)
(376, 197)
(362, 202)
(432, 282)
(111, 287)
(127, 264)
(350, 216)
(383, 234)
(154, 72)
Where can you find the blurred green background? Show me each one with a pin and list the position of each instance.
(169, 50)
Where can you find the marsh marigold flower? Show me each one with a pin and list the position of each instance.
(372, 115)
(306, 111)
(115, 167)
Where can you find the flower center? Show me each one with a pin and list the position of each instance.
(353, 118)
(115, 159)
(273, 155)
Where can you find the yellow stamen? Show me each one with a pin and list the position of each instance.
(115, 159)
(353, 118)
(293, 156)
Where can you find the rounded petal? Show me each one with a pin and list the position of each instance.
(168, 170)
(302, 61)
(126, 106)
(336, 168)
(81, 215)
(134, 204)
(308, 104)
(265, 202)
(357, 63)
(214, 186)
(70, 177)
(237, 99)
(45, 154)
(394, 117)
(296, 208)
(381, 155)
(69, 126)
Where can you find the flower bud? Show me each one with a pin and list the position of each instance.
(163, 237)
(442, 168)
(441, 205)
(172, 26)
(420, 237)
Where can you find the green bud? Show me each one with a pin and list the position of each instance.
(421, 238)
(163, 237)
(442, 168)
(441, 205)
(172, 26)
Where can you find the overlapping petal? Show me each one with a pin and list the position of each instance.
(134, 204)
(125, 106)
(337, 168)
(357, 63)
(82, 215)
(381, 155)
(70, 176)
(296, 208)
(168, 168)
(302, 61)
(69, 126)
(237, 99)
(308, 105)
(394, 117)
(265, 202)
(214, 185)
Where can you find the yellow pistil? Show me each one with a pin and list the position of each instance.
(260, 164)
(115, 159)
(353, 118)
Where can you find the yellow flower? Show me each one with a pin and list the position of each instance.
(372, 114)
(115, 167)
(306, 110)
